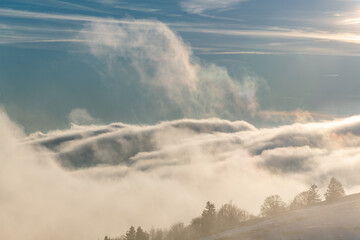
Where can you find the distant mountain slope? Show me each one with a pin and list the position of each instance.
(338, 220)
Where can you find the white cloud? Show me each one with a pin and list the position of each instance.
(292, 149)
(114, 172)
(306, 152)
(148, 44)
(81, 116)
(284, 33)
(49, 16)
(199, 6)
(38, 197)
(345, 34)
(166, 66)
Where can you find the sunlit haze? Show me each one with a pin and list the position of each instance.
(137, 113)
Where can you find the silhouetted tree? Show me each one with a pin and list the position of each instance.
(204, 224)
(131, 234)
(230, 215)
(300, 201)
(313, 196)
(156, 234)
(178, 231)
(272, 205)
(141, 235)
(306, 198)
(208, 218)
(335, 190)
(195, 226)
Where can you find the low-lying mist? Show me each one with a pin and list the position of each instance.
(92, 181)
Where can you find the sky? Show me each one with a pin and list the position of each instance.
(280, 56)
(109, 107)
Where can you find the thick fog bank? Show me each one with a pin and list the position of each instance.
(92, 181)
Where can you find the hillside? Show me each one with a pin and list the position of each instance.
(337, 220)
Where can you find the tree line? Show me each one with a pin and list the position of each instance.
(212, 221)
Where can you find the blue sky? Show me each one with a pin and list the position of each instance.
(147, 61)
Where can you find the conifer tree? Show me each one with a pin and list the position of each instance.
(313, 196)
(208, 218)
(131, 234)
(141, 234)
(300, 201)
(306, 198)
(335, 190)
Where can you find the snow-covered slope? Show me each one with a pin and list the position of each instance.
(339, 220)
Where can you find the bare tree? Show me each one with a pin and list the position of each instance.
(156, 234)
(230, 215)
(307, 198)
(178, 231)
(272, 205)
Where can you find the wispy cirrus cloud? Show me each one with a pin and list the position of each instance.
(54, 16)
(65, 5)
(276, 40)
(314, 41)
(199, 6)
(282, 33)
(11, 33)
